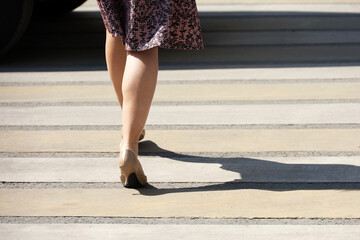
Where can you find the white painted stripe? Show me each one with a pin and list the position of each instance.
(185, 169)
(258, 73)
(187, 92)
(282, 7)
(182, 231)
(261, 5)
(188, 114)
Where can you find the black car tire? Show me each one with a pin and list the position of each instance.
(55, 7)
(15, 16)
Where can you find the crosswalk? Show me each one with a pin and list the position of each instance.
(205, 157)
(247, 152)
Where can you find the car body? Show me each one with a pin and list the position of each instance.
(15, 16)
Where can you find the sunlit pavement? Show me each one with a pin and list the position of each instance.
(233, 149)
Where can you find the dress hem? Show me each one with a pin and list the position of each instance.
(155, 45)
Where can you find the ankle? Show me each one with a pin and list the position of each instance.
(132, 147)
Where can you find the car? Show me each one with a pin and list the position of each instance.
(15, 16)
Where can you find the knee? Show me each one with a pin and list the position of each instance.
(110, 38)
(144, 54)
(108, 35)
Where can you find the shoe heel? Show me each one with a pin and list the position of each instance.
(132, 174)
(142, 135)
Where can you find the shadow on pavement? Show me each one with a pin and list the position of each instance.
(256, 174)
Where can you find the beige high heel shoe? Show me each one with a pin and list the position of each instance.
(132, 174)
(142, 135)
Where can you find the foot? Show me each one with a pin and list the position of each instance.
(132, 174)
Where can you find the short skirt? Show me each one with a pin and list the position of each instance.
(143, 24)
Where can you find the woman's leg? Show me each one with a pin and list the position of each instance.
(140, 83)
(115, 60)
(138, 87)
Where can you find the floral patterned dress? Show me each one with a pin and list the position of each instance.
(143, 24)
